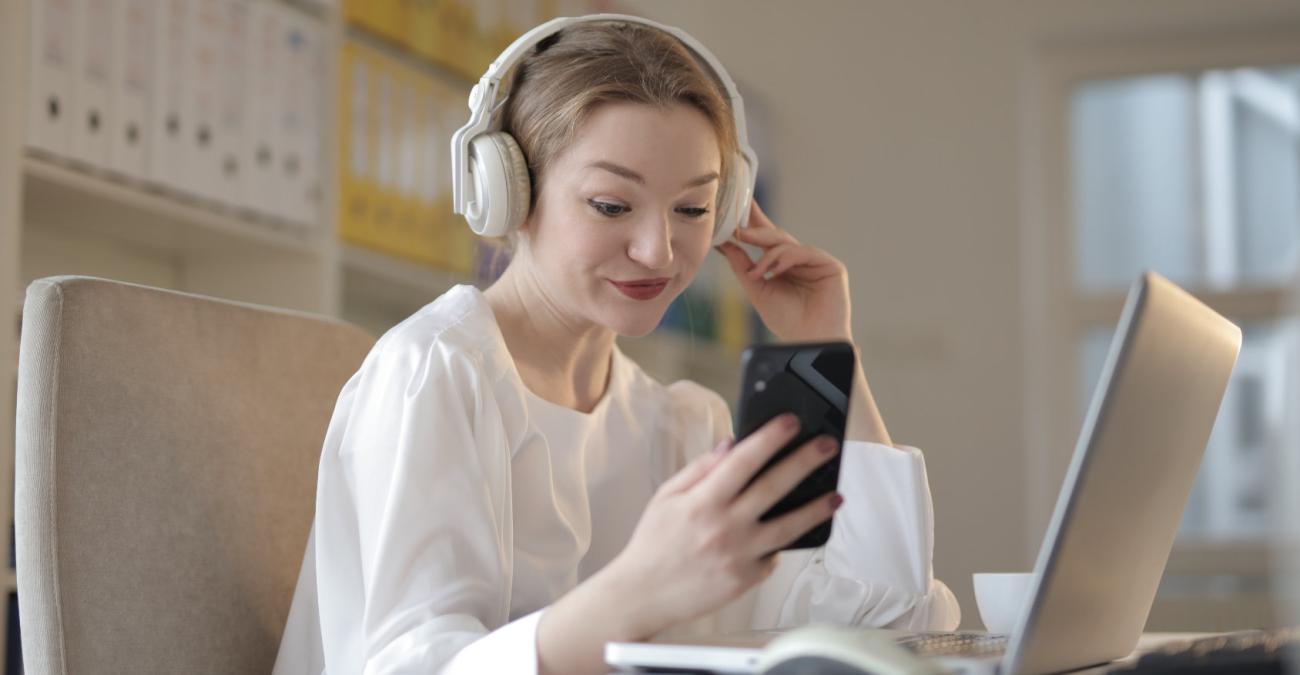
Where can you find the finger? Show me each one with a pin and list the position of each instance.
(736, 257)
(740, 265)
(778, 481)
(747, 457)
(698, 468)
(778, 533)
(768, 259)
(764, 238)
(779, 267)
(764, 566)
(758, 219)
(811, 263)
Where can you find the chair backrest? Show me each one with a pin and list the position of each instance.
(166, 457)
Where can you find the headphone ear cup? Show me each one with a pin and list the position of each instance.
(502, 190)
(733, 201)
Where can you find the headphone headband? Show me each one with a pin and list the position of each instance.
(483, 103)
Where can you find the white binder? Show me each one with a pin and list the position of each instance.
(169, 123)
(133, 75)
(286, 115)
(232, 105)
(311, 69)
(261, 143)
(92, 115)
(201, 149)
(52, 65)
(317, 123)
(298, 103)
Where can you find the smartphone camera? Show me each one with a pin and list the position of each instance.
(764, 369)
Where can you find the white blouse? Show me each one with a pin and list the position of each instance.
(453, 506)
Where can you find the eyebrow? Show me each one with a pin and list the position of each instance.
(619, 170)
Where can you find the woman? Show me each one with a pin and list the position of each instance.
(502, 490)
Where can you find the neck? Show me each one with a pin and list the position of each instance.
(562, 358)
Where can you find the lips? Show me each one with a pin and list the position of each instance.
(641, 289)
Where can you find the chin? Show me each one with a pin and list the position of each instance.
(636, 324)
(636, 320)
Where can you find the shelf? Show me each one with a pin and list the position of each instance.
(58, 194)
(320, 11)
(387, 47)
(379, 281)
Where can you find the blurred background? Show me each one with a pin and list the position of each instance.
(994, 173)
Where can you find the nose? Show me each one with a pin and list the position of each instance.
(652, 243)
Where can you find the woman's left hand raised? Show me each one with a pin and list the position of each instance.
(801, 292)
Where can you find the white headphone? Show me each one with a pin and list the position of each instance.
(489, 175)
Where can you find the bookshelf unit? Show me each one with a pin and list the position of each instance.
(59, 216)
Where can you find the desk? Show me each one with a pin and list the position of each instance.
(1148, 642)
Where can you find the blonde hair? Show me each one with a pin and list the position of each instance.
(556, 88)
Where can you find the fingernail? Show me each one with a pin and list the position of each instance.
(724, 445)
(790, 421)
(826, 446)
(836, 500)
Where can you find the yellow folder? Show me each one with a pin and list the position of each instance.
(357, 155)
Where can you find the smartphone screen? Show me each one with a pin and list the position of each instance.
(813, 381)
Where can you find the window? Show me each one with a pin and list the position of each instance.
(1180, 154)
(1197, 176)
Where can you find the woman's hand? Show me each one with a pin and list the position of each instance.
(699, 543)
(801, 292)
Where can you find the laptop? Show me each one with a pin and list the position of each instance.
(1115, 518)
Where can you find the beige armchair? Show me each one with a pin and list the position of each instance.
(167, 447)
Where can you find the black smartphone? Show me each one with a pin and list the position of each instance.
(813, 381)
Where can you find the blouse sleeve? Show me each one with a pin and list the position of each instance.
(414, 502)
(876, 569)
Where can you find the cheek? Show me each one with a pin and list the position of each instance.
(596, 248)
(563, 237)
(691, 246)
(577, 247)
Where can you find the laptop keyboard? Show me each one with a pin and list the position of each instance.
(1265, 652)
(961, 644)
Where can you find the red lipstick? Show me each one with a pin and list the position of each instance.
(641, 289)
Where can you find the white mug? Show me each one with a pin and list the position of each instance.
(1001, 598)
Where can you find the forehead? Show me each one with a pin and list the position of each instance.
(665, 143)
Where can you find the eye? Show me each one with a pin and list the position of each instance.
(692, 211)
(608, 209)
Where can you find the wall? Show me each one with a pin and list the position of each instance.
(896, 143)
